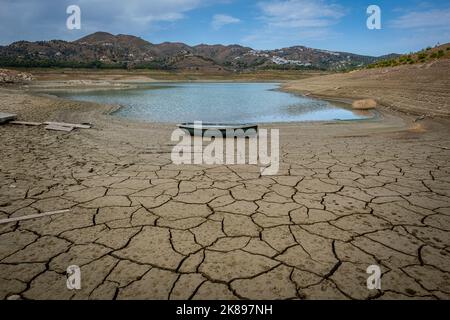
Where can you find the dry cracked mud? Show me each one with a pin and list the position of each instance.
(347, 196)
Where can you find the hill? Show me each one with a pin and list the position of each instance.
(421, 88)
(104, 50)
(425, 55)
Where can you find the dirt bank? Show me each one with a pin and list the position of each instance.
(422, 89)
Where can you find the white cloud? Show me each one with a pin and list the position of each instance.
(292, 22)
(220, 20)
(45, 19)
(423, 19)
(300, 13)
(273, 38)
(140, 12)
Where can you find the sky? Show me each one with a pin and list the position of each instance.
(338, 25)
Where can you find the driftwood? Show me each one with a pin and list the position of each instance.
(73, 125)
(59, 128)
(33, 216)
(26, 123)
(50, 125)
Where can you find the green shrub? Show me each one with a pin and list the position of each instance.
(422, 56)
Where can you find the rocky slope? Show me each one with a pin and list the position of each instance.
(11, 76)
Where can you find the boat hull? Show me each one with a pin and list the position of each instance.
(227, 130)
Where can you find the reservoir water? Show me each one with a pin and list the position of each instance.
(215, 102)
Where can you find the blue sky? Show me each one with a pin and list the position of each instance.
(340, 25)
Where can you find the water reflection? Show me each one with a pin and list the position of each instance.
(216, 102)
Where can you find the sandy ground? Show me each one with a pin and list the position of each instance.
(158, 75)
(348, 195)
(421, 89)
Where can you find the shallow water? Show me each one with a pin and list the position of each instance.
(215, 102)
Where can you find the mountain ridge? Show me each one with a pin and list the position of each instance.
(103, 49)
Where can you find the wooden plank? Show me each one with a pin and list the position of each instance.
(5, 117)
(58, 128)
(73, 125)
(33, 216)
(26, 123)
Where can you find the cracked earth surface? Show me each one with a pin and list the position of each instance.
(347, 196)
